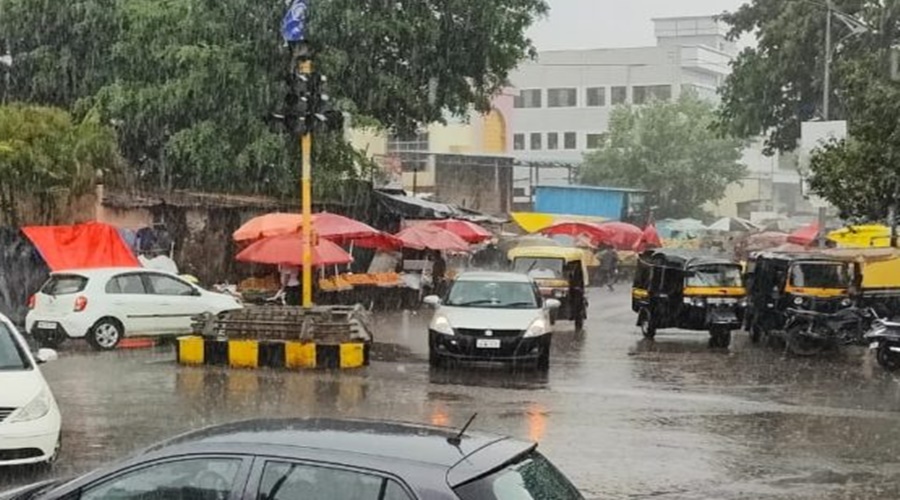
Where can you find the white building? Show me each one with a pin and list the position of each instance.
(565, 99)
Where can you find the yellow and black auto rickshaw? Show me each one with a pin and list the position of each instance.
(688, 290)
(876, 278)
(560, 273)
(780, 284)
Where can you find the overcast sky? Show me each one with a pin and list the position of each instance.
(579, 24)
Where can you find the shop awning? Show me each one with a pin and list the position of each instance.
(410, 207)
(82, 246)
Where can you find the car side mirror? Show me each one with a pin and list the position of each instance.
(552, 304)
(45, 355)
(432, 300)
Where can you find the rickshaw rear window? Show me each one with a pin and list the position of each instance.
(820, 275)
(539, 267)
(715, 275)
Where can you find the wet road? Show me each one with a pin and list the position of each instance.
(624, 418)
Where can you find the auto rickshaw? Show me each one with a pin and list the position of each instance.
(778, 283)
(688, 290)
(876, 278)
(560, 273)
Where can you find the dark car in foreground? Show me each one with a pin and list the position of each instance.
(286, 459)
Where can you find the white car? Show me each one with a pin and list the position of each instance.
(29, 417)
(106, 305)
(491, 316)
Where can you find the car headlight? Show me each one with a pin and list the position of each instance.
(441, 325)
(35, 409)
(537, 328)
(798, 301)
(846, 302)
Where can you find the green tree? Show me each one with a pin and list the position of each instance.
(188, 83)
(670, 149)
(47, 161)
(779, 84)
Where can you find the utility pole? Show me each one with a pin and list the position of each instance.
(826, 87)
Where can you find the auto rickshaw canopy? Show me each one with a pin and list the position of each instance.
(567, 254)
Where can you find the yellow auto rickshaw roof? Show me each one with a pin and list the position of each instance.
(565, 253)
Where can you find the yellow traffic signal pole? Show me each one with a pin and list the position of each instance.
(306, 68)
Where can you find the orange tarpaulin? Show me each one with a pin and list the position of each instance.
(83, 246)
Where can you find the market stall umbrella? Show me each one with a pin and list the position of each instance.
(621, 235)
(805, 236)
(733, 225)
(287, 249)
(649, 239)
(326, 225)
(576, 229)
(381, 241)
(469, 231)
(429, 237)
(531, 240)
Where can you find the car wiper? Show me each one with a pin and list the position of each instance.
(519, 304)
(472, 303)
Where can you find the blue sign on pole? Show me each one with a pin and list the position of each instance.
(293, 27)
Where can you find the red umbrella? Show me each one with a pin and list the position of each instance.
(620, 235)
(326, 225)
(589, 229)
(805, 236)
(288, 249)
(649, 239)
(471, 232)
(427, 236)
(381, 241)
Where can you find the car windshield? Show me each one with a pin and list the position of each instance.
(499, 294)
(539, 268)
(820, 275)
(531, 478)
(715, 275)
(12, 354)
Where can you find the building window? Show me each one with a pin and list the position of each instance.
(595, 141)
(552, 140)
(646, 93)
(535, 141)
(596, 96)
(570, 140)
(618, 95)
(412, 151)
(530, 98)
(562, 98)
(518, 142)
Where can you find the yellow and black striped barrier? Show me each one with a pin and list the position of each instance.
(197, 350)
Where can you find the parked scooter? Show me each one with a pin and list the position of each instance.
(884, 339)
(808, 333)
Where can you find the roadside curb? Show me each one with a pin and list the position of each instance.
(195, 351)
(137, 343)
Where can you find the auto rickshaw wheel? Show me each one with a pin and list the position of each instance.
(645, 320)
(719, 338)
(801, 345)
(888, 359)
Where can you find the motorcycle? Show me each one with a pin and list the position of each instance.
(808, 333)
(884, 339)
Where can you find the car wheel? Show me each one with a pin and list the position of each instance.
(543, 361)
(105, 334)
(645, 320)
(435, 359)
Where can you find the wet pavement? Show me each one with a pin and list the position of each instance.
(624, 418)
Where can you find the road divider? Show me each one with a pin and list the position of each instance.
(197, 350)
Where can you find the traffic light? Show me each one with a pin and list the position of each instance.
(308, 106)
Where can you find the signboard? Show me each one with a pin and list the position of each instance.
(814, 135)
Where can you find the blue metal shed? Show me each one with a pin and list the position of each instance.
(608, 202)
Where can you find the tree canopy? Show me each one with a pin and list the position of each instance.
(779, 84)
(670, 149)
(44, 156)
(188, 84)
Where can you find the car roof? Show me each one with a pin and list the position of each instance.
(493, 276)
(385, 442)
(101, 272)
(565, 253)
